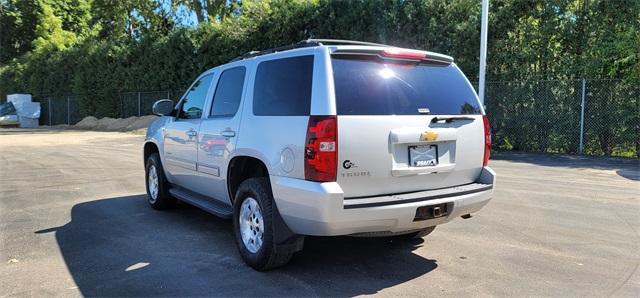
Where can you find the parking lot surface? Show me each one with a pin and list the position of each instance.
(74, 221)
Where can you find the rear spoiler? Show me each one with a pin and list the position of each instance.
(396, 54)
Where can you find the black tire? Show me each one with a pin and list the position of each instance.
(417, 234)
(163, 199)
(267, 256)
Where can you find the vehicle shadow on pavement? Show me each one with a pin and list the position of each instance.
(121, 247)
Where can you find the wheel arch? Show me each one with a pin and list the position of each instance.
(241, 168)
(149, 148)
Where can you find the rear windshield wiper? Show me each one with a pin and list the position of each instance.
(451, 119)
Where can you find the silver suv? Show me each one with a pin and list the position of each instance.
(323, 138)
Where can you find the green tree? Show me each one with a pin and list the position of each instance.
(131, 19)
(18, 21)
(49, 31)
(210, 11)
(75, 15)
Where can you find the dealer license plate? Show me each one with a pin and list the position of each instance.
(423, 156)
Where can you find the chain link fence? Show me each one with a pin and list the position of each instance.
(140, 103)
(594, 117)
(56, 110)
(69, 110)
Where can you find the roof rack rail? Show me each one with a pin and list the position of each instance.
(302, 44)
(306, 43)
(345, 42)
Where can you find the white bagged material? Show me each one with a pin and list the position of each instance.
(28, 109)
(18, 98)
(27, 122)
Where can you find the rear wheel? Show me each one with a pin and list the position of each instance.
(157, 184)
(253, 225)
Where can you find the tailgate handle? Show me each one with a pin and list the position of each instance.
(415, 171)
(451, 119)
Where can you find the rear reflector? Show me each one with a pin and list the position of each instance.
(487, 141)
(404, 54)
(321, 149)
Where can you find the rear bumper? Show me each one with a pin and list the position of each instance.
(311, 208)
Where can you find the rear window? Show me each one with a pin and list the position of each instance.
(283, 87)
(372, 87)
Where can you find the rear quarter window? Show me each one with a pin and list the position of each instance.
(228, 92)
(283, 87)
(375, 87)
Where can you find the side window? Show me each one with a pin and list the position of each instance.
(283, 87)
(193, 102)
(228, 92)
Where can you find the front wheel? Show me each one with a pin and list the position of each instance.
(157, 184)
(253, 210)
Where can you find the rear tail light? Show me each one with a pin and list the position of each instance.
(487, 141)
(321, 149)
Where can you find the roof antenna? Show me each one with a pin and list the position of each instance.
(309, 36)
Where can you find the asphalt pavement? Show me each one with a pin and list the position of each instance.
(74, 222)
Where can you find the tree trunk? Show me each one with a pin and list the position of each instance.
(197, 8)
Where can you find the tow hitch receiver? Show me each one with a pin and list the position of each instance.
(430, 212)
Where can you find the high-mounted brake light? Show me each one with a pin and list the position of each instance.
(487, 141)
(404, 54)
(321, 149)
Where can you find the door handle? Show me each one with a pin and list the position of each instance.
(192, 132)
(228, 133)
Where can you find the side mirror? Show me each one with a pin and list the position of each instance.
(162, 107)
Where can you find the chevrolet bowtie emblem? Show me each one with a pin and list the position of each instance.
(428, 136)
